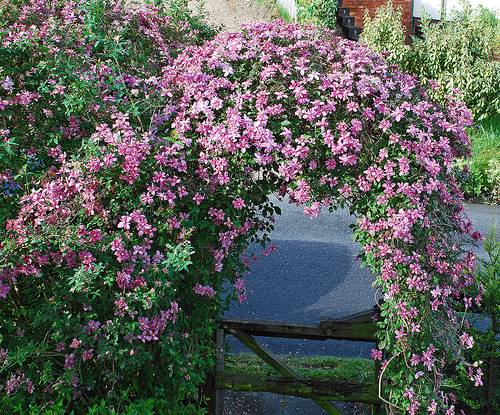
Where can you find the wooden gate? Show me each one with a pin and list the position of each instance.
(357, 327)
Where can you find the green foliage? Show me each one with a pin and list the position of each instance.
(488, 275)
(385, 33)
(104, 60)
(460, 54)
(151, 406)
(480, 175)
(456, 53)
(486, 350)
(320, 12)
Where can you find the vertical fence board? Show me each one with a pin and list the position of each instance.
(219, 393)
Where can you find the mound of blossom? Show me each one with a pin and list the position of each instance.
(140, 233)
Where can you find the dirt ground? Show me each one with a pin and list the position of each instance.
(233, 13)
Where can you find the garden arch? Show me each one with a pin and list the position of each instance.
(166, 214)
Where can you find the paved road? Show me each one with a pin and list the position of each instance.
(314, 273)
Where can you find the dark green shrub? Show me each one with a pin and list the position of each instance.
(486, 398)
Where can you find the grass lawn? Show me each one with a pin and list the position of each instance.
(484, 181)
(486, 141)
(326, 367)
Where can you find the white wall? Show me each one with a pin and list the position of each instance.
(433, 7)
(290, 7)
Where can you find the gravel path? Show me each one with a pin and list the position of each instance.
(233, 13)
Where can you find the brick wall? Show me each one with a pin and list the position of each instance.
(357, 9)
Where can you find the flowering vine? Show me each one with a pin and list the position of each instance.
(139, 229)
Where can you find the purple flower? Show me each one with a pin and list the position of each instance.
(4, 290)
(87, 354)
(69, 361)
(239, 203)
(204, 290)
(3, 356)
(8, 84)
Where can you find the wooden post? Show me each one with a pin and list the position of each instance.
(207, 393)
(214, 397)
(219, 368)
(311, 388)
(377, 407)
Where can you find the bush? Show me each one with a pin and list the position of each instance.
(319, 12)
(69, 69)
(117, 262)
(66, 66)
(480, 175)
(385, 33)
(458, 54)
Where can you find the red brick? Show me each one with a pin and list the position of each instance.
(357, 9)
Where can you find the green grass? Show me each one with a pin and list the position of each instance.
(483, 183)
(325, 367)
(486, 141)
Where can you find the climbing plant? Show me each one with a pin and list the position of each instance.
(117, 262)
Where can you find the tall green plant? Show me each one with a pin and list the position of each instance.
(459, 53)
(385, 33)
(320, 12)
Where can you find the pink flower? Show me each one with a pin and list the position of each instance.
(428, 358)
(313, 211)
(240, 287)
(3, 356)
(87, 260)
(477, 378)
(432, 408)
(8, 84)
(385, 125)
(125, 222)
(269, 249)
(198, 198)
(75, 344)
(376, 354)
(239, 203)
(400, 333)
(87, 354)
(4, 290)
(92, 326)
(466, 340)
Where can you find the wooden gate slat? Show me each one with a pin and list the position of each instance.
(325, 389)
(328, 329)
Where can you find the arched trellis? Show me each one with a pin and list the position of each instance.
(275, 109)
